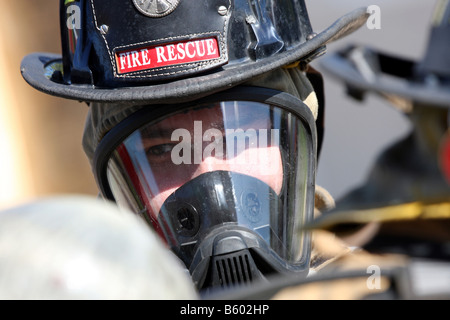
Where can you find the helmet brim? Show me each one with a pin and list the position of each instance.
(363, 69)
(33, 71)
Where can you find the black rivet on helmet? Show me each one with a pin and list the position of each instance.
(104, 29)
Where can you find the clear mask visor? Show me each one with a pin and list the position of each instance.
(261, 146)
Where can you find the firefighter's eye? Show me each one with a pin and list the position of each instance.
(159, 150)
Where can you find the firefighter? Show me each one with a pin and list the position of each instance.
(206, 119)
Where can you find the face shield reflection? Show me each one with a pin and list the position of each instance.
(232, 148)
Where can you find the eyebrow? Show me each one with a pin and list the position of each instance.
(157, 133)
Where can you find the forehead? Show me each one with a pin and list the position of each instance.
(224, 114)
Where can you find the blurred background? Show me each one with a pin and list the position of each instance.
(40, 136)
(355, 132)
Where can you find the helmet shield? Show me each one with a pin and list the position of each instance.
(231, 160)
(167, 41)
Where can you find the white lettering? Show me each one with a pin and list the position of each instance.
(181, 153)
(180, 49)
(237, 142)
(199, 45)
(122, 60)
(197, 310)
(241, 138)
(198, 142)
(145, 59)
(210, 46)
(215, 146)
(171, 52)
(128, 60)
(160, 54)
(135, 57)
(73, 17)
(374, 21)
(189, 54)
(374, 281)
